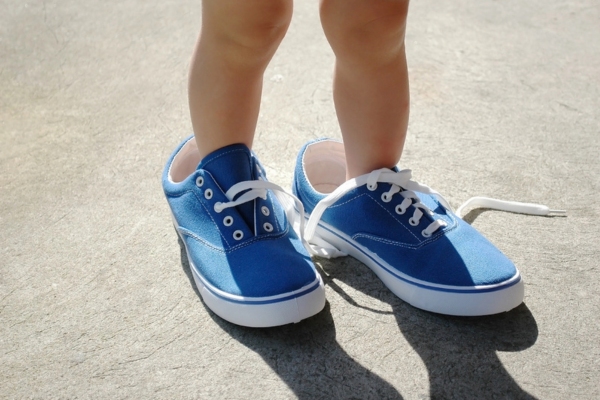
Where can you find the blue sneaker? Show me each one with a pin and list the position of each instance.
(406, 233)
(249, 266)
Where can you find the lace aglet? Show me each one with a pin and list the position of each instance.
(557, 212)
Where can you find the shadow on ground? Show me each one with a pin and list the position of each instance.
(460, 353)
(307, 356)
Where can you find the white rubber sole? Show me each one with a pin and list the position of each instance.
(261, 312)
(450, 300)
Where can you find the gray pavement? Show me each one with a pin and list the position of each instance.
(95, 295)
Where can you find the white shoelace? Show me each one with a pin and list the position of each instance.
(258, 188)
(402, 184)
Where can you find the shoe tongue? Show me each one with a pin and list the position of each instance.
(230, 165)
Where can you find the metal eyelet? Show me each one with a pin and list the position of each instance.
(199, 181)
(268, 227)
(265, 210)
(425, 234)
(372, 188)
(238, 235)
(228, 220)
(413, 222)
(386, 198)
(400, 210)
(208, 194)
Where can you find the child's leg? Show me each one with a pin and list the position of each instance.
(237, 41)
(371, 81)
(248, 264)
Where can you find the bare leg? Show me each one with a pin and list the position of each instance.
(237, 41)
(371, 80)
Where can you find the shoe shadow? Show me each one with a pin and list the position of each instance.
(472, 215)
(306, 356)
(460, 353)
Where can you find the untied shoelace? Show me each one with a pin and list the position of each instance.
(400, 183)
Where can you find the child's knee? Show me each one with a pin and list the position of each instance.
(252, 28)
(357, 26)
(266, 22)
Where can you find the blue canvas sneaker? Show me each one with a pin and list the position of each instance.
(249, 266)
(406, 233)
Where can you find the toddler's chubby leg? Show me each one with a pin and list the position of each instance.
(236, 43)
(371, 81)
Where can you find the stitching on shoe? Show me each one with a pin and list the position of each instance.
(432, 239)
(197, 238)
(394, 243)
(210, 216)
(194, 236)
(372, 198)
(258, 239)
(213, 180)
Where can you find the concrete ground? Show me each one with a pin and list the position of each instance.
(95, 295)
